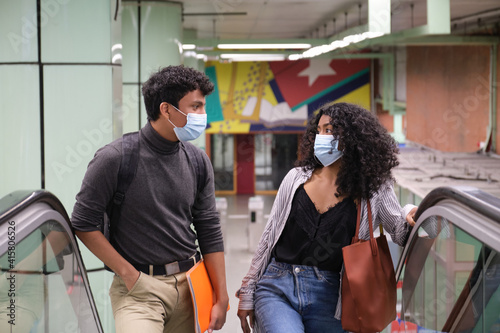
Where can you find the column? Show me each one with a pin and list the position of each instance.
(152, 36)
(20, 132)
(60, 100)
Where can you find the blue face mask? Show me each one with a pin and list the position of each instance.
(196, 124)
(326, 149)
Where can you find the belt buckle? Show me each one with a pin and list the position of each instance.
(172, 268)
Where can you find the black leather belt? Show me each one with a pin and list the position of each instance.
(169, 269)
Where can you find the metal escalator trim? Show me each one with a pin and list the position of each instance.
(13, 203)
(16, 202)
(479, 201)
(476, 200)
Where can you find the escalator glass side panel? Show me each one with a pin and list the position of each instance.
(449, 281)
(43, 286)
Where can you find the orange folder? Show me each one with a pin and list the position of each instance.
(202, 294)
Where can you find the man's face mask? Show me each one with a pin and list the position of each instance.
(196, 124)
(326, 149)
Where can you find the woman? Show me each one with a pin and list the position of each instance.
(293, 284)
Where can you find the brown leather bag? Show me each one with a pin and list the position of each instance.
(368, 283)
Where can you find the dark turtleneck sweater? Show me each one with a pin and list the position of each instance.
(159, 206)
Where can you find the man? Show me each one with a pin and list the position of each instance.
(159, 206)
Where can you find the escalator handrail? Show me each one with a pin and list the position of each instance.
(16, 202)
(13, 203)
(481, 202)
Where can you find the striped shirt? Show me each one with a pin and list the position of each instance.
(386, 210)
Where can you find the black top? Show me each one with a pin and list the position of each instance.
(160, 205)
(314, 239)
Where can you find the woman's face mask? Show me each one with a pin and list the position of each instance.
(196, 124)
(326, 149)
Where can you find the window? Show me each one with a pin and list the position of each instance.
(222, 146)
(275, 155)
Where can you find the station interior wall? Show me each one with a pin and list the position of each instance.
(448, 96)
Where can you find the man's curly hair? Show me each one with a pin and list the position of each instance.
(170, 84)
(369, 152)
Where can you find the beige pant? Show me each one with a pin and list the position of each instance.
(156, 304)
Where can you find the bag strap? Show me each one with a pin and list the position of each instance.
(126, 173)
(355, 239)
(373, 241)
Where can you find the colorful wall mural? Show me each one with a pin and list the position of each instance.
(281, 95)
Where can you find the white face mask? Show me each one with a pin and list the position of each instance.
(326, 149)
(196, 124)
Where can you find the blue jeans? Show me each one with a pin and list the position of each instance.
(295, 298)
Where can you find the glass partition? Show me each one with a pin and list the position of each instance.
(222, 155)
(450, 281)
(43, 285)
(275, 155)
(263, 162)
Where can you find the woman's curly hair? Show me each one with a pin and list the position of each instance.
(170, 84)
(369, 152)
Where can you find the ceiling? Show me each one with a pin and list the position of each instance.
(290, 19)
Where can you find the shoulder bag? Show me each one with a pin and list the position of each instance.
(368, 283)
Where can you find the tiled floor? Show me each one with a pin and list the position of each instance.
(238, 257)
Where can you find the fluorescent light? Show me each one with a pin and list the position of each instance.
(188, 46)
(116, 47)
(336, 44)
(246, 55)
(253, 57)
(117, 58)
(191, 54)
(202, 56)
(294, 57)
(265, 46)
(370, 34)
